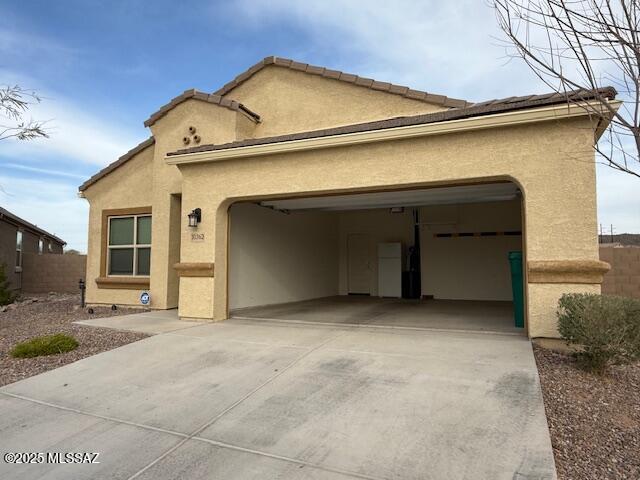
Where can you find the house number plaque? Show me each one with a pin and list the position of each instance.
(197, 237)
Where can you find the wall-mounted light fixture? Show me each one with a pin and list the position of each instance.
(195, 217)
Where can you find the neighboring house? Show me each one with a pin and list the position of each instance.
(19, 237)
(289, 177)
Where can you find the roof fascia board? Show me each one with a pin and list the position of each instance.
(519, 117)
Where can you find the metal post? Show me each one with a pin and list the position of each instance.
(82, 287)
(601, 235)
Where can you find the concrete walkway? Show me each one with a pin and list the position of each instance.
(152, 323)
(245, 399)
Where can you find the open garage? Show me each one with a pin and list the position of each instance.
(417, 258)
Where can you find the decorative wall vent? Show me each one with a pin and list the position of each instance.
(191, 136)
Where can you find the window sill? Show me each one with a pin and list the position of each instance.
(129, 283)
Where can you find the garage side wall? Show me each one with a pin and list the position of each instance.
(474, 267)
(277, 258)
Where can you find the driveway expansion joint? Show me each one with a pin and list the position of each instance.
(187, 437)
(235, 404)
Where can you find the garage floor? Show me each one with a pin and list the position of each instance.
(253, 399)
(465, 315)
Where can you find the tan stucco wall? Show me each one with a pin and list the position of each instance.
(290, 101)
(214, 124)
(129, 186)
(543, 303)
(277, 258)
(468, 268)
(551, 161)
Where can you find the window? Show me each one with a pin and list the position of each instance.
(49, 246)
(40, 246)
(129, 245)
(19, 251)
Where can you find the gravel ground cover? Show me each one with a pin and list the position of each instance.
(38, 315)
(594, 421)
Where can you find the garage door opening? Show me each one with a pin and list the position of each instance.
(421, 258)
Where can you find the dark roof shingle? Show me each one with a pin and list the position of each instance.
(343, 77)
(205, 97)
(479, 109)
(112, 166)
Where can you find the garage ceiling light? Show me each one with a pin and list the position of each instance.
(494, 192)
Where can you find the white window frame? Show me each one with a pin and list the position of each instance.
(19, 248)
(135, 246)
(40, 245)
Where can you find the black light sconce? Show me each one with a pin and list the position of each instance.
(195, 217)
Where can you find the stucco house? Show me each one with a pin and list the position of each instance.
(294, 182)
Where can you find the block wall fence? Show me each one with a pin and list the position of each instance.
(624, 277)
(52, 273)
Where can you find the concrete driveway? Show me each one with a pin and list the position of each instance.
(247, 399)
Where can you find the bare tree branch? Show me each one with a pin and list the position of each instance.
(15, 101)
(579, 45)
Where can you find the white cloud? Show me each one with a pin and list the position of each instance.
(76, 132)
(53, 206)
(45, 171)
(450, 48)
(445, 47)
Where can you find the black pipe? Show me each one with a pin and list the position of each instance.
(82, 287)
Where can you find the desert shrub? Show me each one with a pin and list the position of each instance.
(47, 345)
(6, 295)
(606, 329)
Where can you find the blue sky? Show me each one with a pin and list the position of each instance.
(104, 66)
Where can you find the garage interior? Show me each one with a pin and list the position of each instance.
(419, 258)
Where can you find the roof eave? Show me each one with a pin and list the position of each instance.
(114, 165)
(204, 97)
(508, 118)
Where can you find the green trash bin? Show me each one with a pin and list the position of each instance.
(515, 260)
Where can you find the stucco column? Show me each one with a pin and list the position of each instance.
(202, 266)
(561, 241)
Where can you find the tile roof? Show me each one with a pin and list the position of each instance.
(478, 109)
(112, 166)
(205, 97)
(4, 213)
(343, 77)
